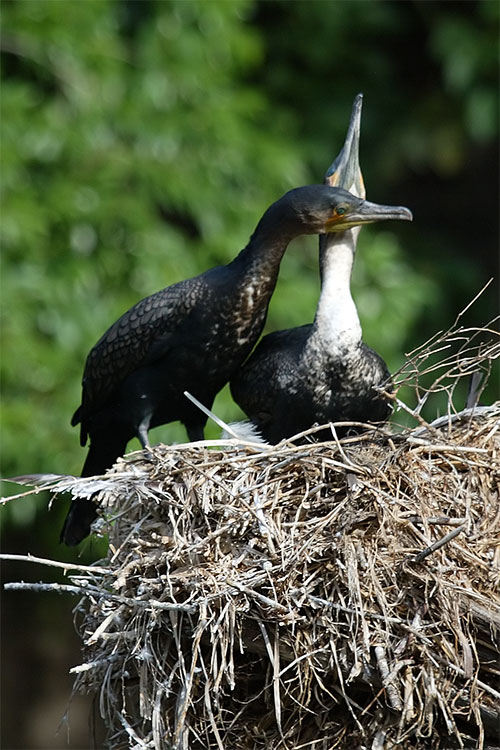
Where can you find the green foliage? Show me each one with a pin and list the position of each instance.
(143, 140)
(130, 161)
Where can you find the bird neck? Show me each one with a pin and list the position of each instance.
(266, 247)
(336, 322)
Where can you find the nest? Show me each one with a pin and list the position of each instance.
(319, 596)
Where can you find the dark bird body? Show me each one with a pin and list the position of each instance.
(322, 372)
(186, 337)
(289, 385)
(191, 336)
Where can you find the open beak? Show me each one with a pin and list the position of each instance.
(367, 213)
(345, 171)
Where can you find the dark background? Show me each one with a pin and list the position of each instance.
(141, 142)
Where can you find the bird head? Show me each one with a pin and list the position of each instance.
(347, 211)
(321, 209)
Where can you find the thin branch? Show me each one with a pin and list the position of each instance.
(437, 545)
(92, 591)
(445, 448)
(56, 564)
(461, 314)
(385, 674)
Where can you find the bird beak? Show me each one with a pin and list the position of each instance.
(367, 213)
(345, 171)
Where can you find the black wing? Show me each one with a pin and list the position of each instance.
(142, 335)
(269, 372)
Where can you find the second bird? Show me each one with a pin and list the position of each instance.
(322, 372)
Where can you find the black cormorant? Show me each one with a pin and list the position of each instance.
(322, 372)
(193, 336)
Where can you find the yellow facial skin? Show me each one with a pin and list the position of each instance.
(345, 216)
(339, 220)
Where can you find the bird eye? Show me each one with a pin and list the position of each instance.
(340, 210)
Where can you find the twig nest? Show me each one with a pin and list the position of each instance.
(340, 595)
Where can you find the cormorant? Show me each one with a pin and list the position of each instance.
(193, 336)
(322, 372)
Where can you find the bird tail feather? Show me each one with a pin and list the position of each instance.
(83, 511)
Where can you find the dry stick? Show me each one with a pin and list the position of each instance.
(433, 520)
(61, 588)
(55, 564)
(460, 314)
(439, 447)
(188, 685)
(383, 667)
(274, 659)
(318, 428)
(208, 705)
(94, 664)
(412, 412)
(341, 450)
(437, 545)
(58, 588)
(276, 681)
(252, 593)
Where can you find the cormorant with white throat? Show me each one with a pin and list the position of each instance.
(322, 372)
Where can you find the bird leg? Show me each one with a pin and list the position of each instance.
(142, 434)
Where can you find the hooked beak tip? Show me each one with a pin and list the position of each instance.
(406, 214)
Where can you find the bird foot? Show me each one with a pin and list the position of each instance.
(148, 454)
